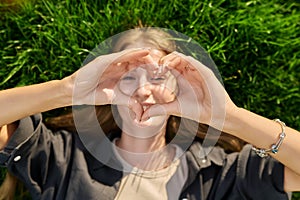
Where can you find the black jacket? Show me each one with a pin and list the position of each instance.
(55, 165)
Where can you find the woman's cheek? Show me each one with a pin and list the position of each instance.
(126, 113)
(128, 87)
(164, 95)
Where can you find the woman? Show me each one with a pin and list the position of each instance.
(146, 82)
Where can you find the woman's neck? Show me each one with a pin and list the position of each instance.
(137, 145)
(145, 153)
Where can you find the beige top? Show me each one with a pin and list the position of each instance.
(160, 184)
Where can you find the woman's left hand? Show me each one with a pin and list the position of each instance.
(201, 96)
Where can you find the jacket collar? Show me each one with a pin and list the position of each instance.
(199, 158)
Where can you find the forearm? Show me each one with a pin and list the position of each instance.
(17, 103)
(262, 133)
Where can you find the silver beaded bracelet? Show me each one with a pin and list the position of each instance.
(275, 147)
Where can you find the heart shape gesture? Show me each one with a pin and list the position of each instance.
(201, 96)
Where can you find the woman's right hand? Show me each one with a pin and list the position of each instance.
(95, 83)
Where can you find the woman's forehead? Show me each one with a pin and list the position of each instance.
(140, 44)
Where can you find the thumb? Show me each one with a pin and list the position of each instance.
(137, 108)
(159, 110)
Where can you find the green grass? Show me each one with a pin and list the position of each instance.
(255, 44)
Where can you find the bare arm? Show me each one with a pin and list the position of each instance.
(20, 102)
(262, 133)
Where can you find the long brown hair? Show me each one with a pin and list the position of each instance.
(106, 120)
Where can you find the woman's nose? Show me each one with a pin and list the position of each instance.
(143, 91)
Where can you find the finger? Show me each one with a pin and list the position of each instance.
(118, 70)
(148, 60)
(155, 110)
(130, 60)
(166, 60)
(176, 62)
(160, 110)
(193, 64)
(131, 54)
(132, 65)
(128, 101)
(150, 65)
(137, 108)
(115, 70)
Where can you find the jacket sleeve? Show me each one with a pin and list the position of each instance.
(259, 178)
(239, 175)
(37, 156)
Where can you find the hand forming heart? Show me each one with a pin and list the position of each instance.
(201, 96)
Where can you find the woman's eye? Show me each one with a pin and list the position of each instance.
(128, 78)
(158, 79)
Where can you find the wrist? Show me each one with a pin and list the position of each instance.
(66, 88)
(233, 121)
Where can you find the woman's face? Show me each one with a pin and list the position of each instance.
(147, 89)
